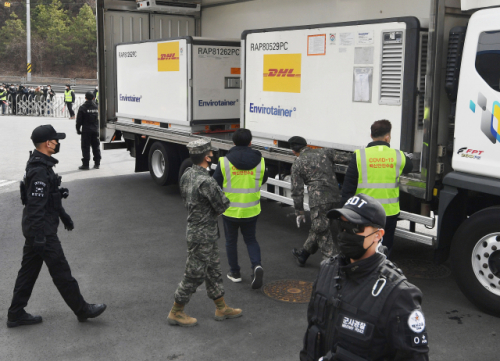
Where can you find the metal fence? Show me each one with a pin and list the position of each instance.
(79, 85)
(40, 106)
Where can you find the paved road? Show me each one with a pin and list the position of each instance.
(128, 250)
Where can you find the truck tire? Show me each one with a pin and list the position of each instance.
(159, 163)
(475, 259)
(187, 163)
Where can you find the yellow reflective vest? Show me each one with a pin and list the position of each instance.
(3, 96)
(242, 187)
(379, 169)
(68, 98)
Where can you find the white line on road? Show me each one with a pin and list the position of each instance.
(4, 183)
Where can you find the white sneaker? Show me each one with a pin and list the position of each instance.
(234, 276)
(258, 276)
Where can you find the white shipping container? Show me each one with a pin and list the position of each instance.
(183, 81)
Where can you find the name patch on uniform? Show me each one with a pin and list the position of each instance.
(416, 321)
(420, 340)
(354, 325)
(39, 189)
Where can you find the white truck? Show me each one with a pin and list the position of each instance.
(430, 67)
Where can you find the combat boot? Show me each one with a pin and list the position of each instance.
(301, 256)
(178, 317)
(223, 311)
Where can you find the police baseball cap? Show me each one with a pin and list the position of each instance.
(43, 133)
(200, 146)
(361, 209)
(297, 141)
(89, 95)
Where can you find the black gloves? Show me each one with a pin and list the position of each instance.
(67, 221)
(39, 245)
(64, 192)
(78, 132)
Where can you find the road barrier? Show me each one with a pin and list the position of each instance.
(40, 106)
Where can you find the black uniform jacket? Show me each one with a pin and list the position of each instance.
(351, 176)
(87, 117)
(243, 158)
(394, 336)
(41, 212)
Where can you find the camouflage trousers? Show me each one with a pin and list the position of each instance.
(320, 235)
(202, 265)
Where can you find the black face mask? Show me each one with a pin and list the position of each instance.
(351, 245)
(211, 160)
(57, 148)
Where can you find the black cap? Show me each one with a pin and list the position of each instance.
(89, 96)
(43, 133)
(361, 209)
(297, 140)
(69, 86)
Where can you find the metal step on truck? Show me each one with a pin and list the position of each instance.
(325, 71)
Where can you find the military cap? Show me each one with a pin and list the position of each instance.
(200, 146)
(297, 140)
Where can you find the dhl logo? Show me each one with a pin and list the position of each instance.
(168, 57)
(282, 73)
(289, 73)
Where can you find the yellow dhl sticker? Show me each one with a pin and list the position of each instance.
(168, 56)
(282, 73)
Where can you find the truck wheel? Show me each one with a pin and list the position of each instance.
(158, 163)
(475, 259)
(187, 163)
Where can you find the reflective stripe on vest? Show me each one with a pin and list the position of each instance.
(242, 187)
(379, 169)
(67, 96)
(3, 96)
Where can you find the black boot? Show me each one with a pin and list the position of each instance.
(91, 311)
(301, 256)
(23, 320)
(84, 167)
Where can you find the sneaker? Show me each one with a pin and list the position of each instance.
(234, 276)
(258, 276)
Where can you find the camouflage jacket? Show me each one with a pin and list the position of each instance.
(204, 201)
(315, 168)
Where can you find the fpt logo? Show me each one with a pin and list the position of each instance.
(490, 120)
(168, 56)
(466, 152)
(282, 73)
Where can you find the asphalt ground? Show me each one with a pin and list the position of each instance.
(128, 250)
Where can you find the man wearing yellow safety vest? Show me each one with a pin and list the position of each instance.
(96, 94)
(3, 98)
(375, 171)
(240, 174)
(69, 99)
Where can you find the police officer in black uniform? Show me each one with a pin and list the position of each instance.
(42, 200)
(362, 307)
(87, 121)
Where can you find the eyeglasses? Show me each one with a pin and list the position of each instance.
(349, 227)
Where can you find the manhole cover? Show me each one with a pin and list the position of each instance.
(423, 269)
(292, 291)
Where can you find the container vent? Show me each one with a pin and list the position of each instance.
(422, 70)
(176, 4)
(391, 82)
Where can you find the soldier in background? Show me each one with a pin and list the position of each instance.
(315, 168)
(205, 202)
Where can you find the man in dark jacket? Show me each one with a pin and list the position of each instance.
(42, 200)
(240, 174)
(362, 307)
(87, 125)
(381, 135)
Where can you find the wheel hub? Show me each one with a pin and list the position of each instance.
(158, 163)
(486, 262)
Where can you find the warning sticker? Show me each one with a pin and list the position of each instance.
(282, 73)
(168, 56)
(316, 44)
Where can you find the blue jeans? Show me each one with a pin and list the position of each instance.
(247, 226)
(3, 106)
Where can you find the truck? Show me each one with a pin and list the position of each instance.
(326, 70)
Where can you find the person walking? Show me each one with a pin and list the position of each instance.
(205, 202)
(240, 174)
(42, 197)
(375, 171)
(362, 307)
(87, 125)
(315, 168)
(3, 98)
(69, 99)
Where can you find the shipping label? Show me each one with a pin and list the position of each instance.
(168, 56)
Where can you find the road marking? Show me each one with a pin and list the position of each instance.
(4, 183)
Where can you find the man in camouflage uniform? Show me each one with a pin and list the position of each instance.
(316, 169)
(205, 202)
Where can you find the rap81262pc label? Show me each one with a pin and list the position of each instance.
(219, 51)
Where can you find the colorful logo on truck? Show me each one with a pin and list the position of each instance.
(168, 56)
(490, 120)
(282, 73)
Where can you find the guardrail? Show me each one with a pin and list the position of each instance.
(40, 106)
